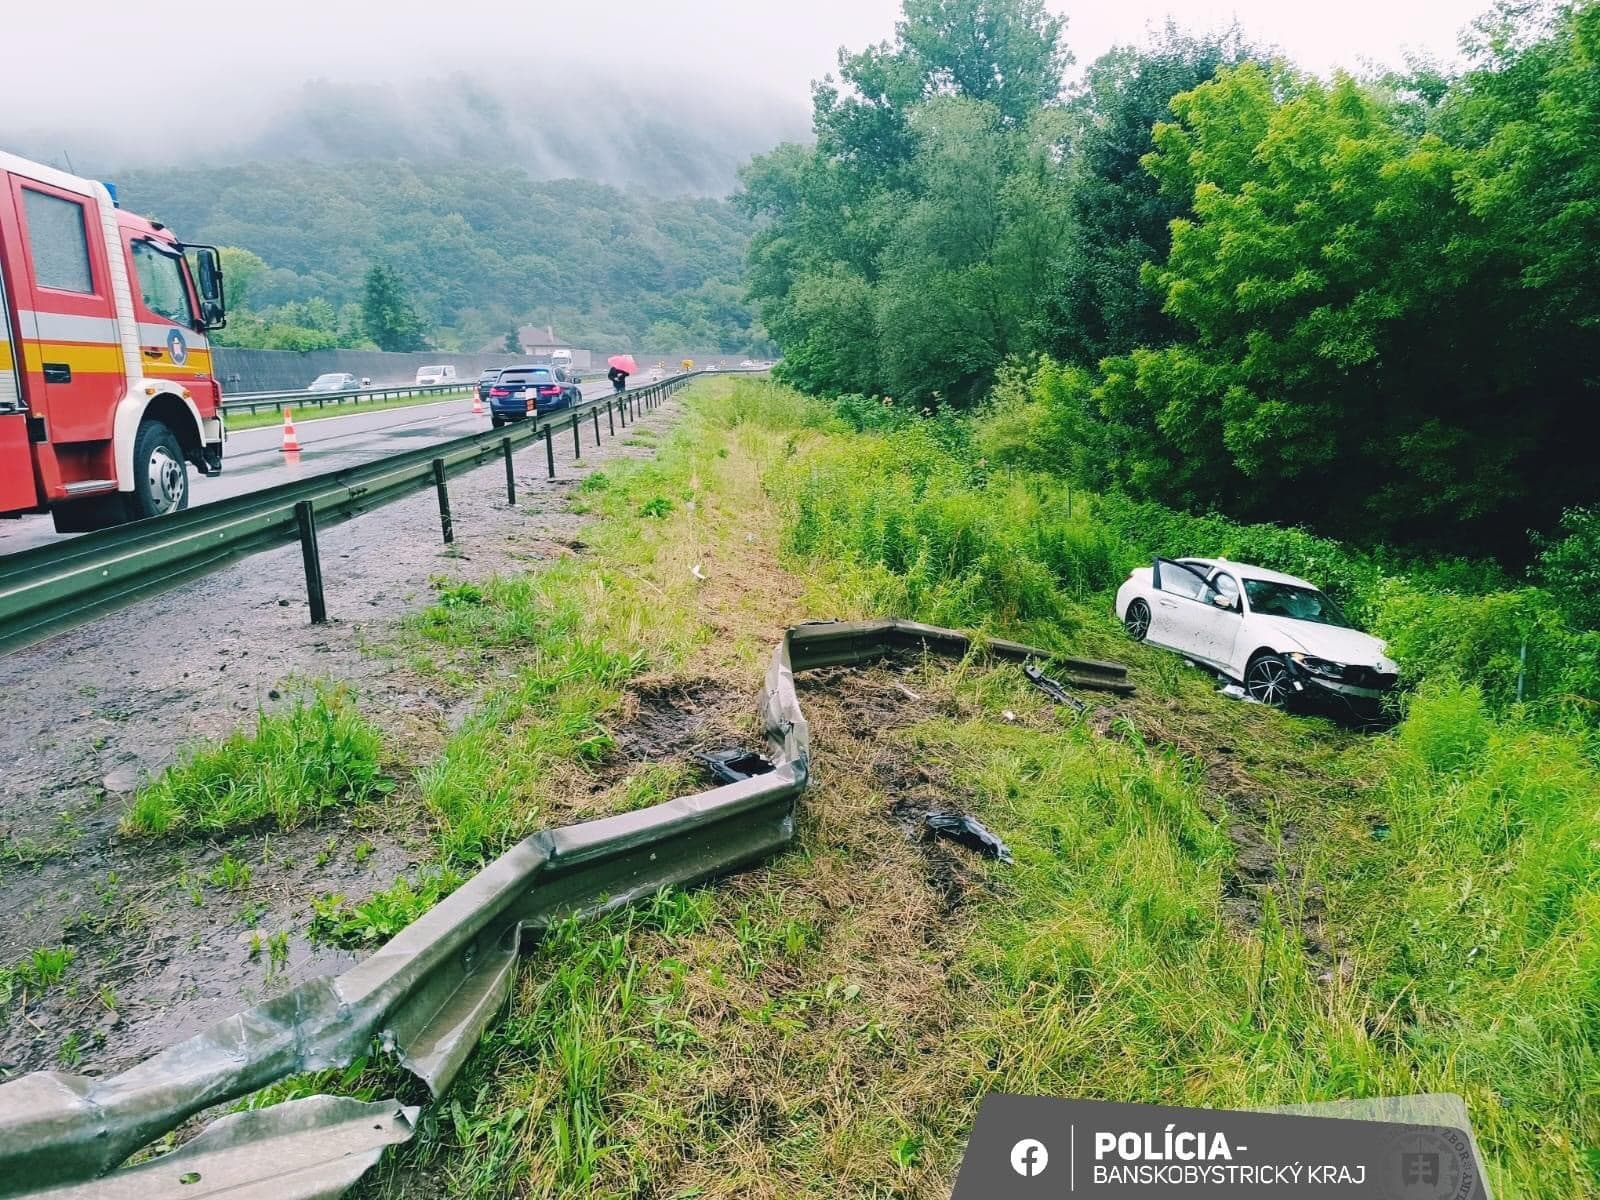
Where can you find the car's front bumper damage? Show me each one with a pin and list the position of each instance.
(1362, 690)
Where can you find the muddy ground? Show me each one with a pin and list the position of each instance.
(160, 951)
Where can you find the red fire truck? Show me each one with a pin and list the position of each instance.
(106, 388)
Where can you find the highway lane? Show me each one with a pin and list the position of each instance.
(253, 458)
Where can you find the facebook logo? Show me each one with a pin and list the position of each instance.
(1028, 1158)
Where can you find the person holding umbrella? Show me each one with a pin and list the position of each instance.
(622, 365)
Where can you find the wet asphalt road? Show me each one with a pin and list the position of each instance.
(253, 458)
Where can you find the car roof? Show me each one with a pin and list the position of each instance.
(1248, 571)
(531, 367)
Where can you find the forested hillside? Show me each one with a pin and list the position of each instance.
(1364, 304)
(480, 250)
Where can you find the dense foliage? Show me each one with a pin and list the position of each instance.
(1453, 861)
(478, 249)
(1368, 305)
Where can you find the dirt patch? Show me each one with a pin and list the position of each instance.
(872, 700)
(113, 703)
(161, 950)
(851, 709)
(664, 719)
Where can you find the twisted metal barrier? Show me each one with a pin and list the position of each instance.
(426, 996)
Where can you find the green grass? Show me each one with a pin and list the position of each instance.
(1211, 903)
(384, 914)
(309, 410)
(40, 970)
(315, 755)
(825, 1024)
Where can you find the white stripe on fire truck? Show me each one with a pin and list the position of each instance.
(64, 327)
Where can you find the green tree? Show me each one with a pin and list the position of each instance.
(906, 249)
(387, 313)
(240, 271)
(513, 343)
(1097, 304)
(1366, 340)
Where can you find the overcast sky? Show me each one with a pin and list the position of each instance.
(193, 68)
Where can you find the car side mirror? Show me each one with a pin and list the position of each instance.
(1225, 603)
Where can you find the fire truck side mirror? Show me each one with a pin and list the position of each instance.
(213, 305)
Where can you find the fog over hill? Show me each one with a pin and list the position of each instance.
(637, 133)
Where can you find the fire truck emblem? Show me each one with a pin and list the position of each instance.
(177, 347)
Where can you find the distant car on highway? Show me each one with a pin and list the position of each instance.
(655, 375)
(747, 364)
(334, 381)
(526, 391)
(428, 376)
(486, 381)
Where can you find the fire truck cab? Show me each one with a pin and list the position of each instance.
(106, 388)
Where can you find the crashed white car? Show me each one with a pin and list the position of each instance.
(1280, 637)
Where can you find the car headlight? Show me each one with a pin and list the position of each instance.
(1319, 666)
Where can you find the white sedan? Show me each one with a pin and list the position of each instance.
(1280, 637)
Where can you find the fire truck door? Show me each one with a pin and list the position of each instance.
(170, 346)
(68, 330)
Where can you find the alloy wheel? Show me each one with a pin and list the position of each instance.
(1137, 620)
(1268, 681)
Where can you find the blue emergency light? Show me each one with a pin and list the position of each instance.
(112, 188)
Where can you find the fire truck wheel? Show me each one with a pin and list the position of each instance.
(160, 475)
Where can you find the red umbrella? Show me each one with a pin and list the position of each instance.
(623, 363)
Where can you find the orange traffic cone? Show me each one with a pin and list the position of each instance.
(477, 404)
(291, 444)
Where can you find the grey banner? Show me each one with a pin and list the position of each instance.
(1032, 1147)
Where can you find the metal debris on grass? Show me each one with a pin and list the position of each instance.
(730, 766)
(1235, 692)
(968, 831)
(1053, 689)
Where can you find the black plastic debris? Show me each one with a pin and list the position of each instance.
(969, 832)
(1052, 688)
(730, 766)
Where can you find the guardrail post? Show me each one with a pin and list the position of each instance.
(611, 417)
(577, 448)
(305, 517)
(549, 452)
(444, 501)
(511, 477)
(595, 413)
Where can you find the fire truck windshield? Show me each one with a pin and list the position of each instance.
(161, 282)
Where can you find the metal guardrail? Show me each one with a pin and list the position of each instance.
(426, 995)
(50, 588)
(251, 401)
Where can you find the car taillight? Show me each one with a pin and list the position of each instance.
(550, 390)
(497, 391)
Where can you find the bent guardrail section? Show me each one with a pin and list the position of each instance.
(427, 995)
(50, 588)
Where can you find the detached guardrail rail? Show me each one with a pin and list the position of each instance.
(50, 588)
(427, 995)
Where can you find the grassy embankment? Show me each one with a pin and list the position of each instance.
(1212, 903)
